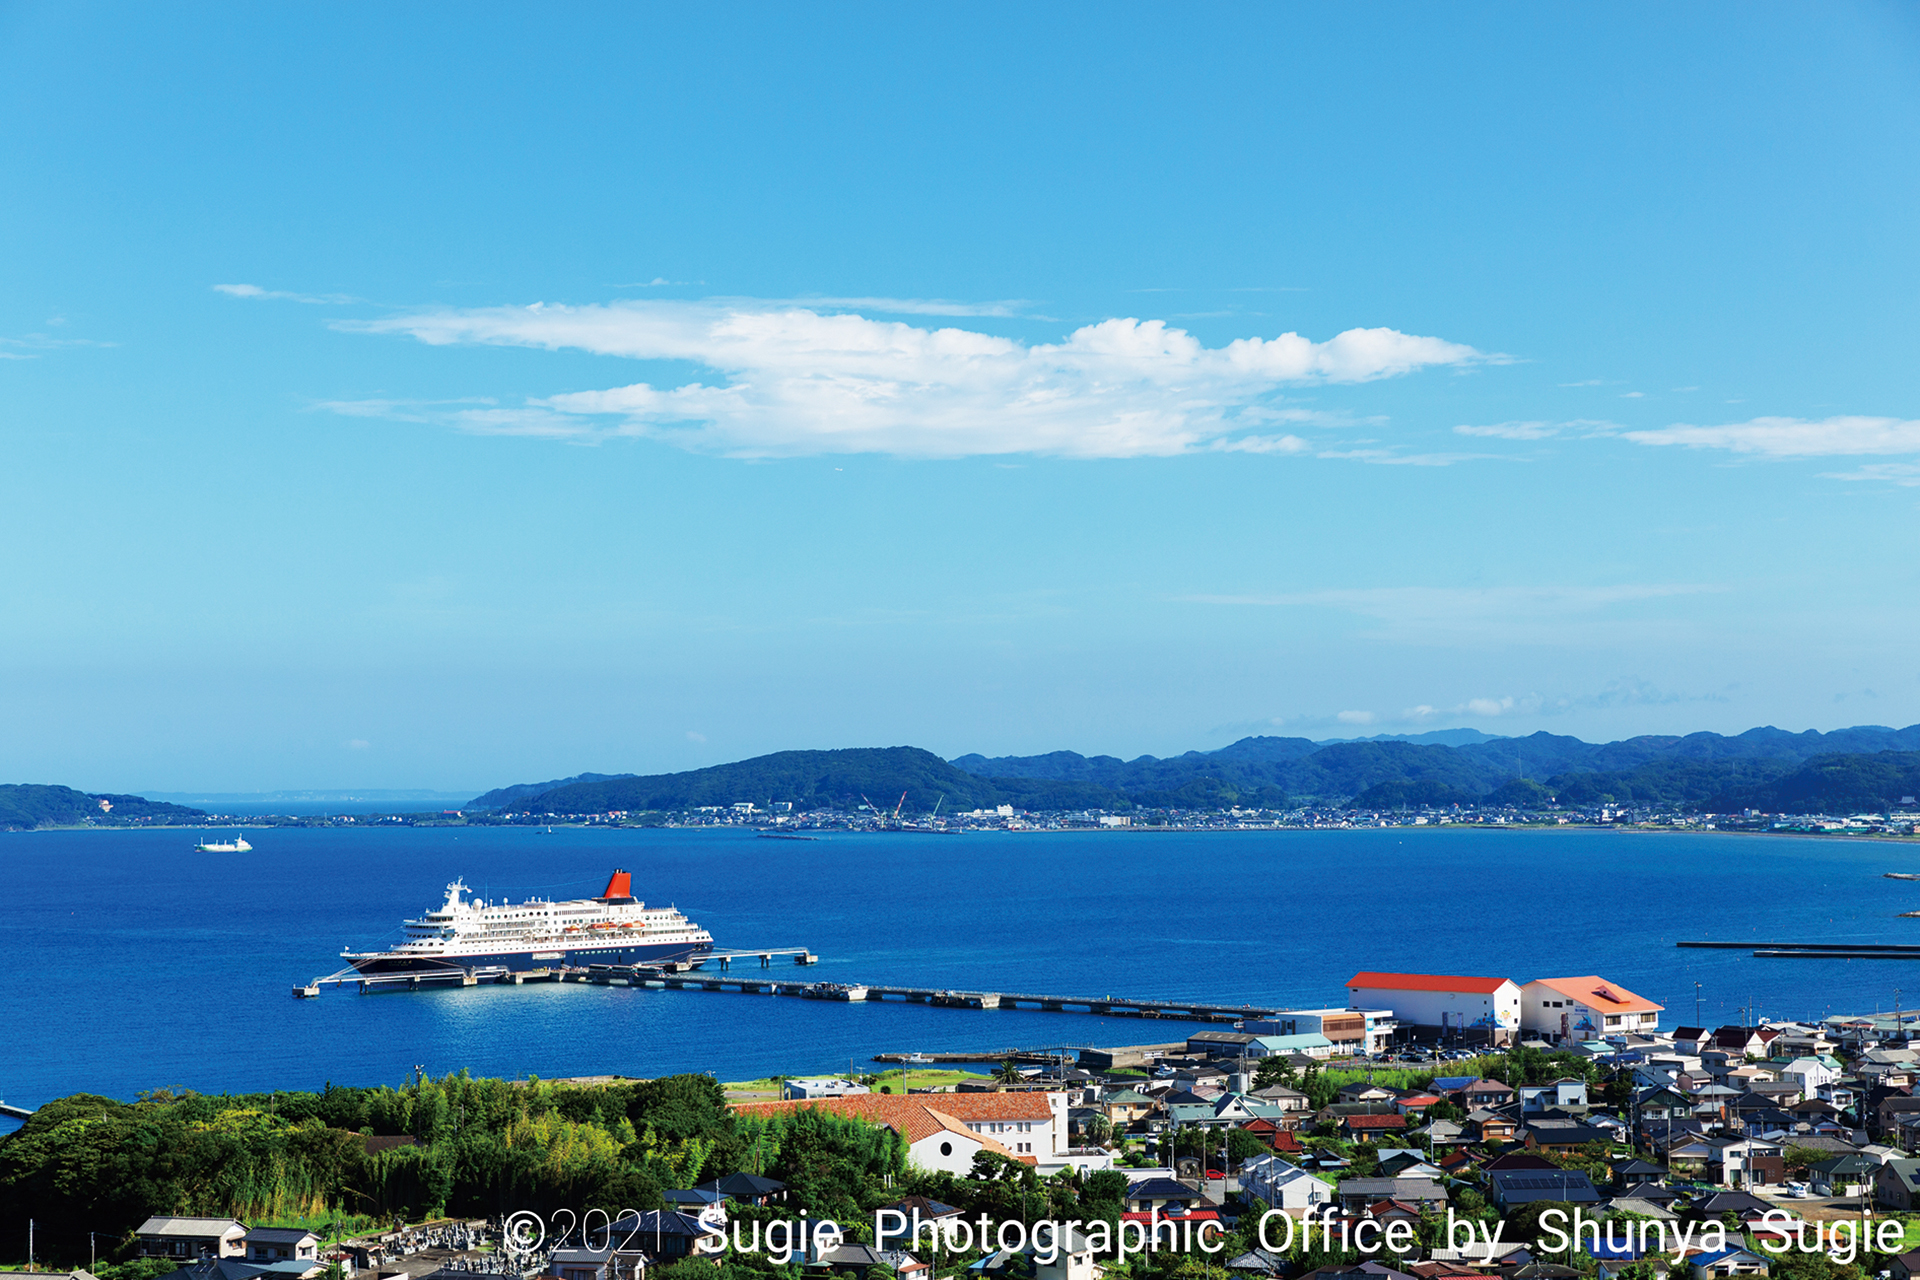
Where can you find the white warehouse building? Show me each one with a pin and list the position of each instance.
(1588, 1008)
(1478, 1009)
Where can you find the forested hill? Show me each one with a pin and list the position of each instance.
(25, 806)
(1665, 770)
(1764, 768)
(815, 780)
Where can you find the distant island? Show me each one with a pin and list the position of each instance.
(25, 806)
(1865, 768)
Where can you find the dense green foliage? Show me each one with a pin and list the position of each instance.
(1667, 784)
(87, 1163)
(1834, 784)
(24, 806)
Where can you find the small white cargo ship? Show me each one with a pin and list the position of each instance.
(236, 845)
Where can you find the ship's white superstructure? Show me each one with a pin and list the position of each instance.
(471, 933)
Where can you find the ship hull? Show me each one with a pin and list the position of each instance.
(543, 958)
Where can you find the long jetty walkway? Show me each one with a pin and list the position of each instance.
(942, 997)
(1817, 950)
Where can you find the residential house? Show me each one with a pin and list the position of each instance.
(1749, 1042)
(1562, 1138)
(748, 1188)
(820, 1088)
(1565, 1093)
(1632, 1173)
(1408, 1164)
(1745, 1162)
(1811, 1073)
(1519, 1159)
(1897, 1185)
(1844, 1176)
(1367, 1091)
(191, 1238)
(1371, 1128)
(1890, 1107)
(945, 1130)
(1584, 1008)
(281, 1244)
(857, 1261)
(1355, 1194)
(1161, 1193)
(1491, 1126)
(660, 1234)
(1511, 1188)
(1483, 1009)
(1726, 1262)
(1749, 1209)
(1280, 1185)
(1124, 1106)
(1282, 1097)
(1691, 1157)
(1487, 1093)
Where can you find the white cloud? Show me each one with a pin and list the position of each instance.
(901, 306)
(1513, 430)
(1356, 717)
(1539, 430)
(274, 295)
(788, 380)
(1793, 437)
(695, 737)
(1905, 474)
(356, 744)
(1388, 458)
(32, 344)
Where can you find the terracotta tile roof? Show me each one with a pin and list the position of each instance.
(1370, 981)
(1375, 1122)
(1597, 993)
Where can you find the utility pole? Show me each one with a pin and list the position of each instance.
(1696, 1004)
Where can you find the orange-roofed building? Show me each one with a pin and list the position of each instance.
(1588, 1008)
(1442, 1005)
(945, 1130)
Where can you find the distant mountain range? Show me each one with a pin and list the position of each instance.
(26, 805)
(1865, 767)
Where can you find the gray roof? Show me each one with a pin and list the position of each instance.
(1393, 1188)
(280, 1235)
(163, 1226)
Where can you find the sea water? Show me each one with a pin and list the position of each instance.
(130, 962)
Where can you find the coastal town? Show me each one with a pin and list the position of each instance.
(1425, 1127)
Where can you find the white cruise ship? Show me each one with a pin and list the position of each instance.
(469, 934)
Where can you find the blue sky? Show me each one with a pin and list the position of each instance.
(449, 396)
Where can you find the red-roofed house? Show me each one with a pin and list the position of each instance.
(1481, 1009)
(1363, 1128)
(1585, 1009)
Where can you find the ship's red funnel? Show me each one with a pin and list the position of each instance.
(620, 886)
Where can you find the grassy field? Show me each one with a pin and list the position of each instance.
(891, 1081)
(1403, 1076)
